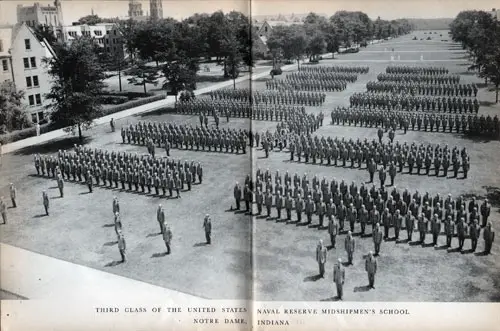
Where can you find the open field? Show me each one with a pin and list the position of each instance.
(278, 258)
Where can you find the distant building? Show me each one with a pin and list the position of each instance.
(155, 9)
(496, 14)
(38, 14)
(263, 30)
(135, 9)
(105, 35)
(21, 55)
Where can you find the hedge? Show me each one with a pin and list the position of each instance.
(113, 99)
(31, 132)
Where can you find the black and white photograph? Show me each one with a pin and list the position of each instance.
(251, 151)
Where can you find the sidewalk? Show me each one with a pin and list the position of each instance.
(169, 100)
(35, 276)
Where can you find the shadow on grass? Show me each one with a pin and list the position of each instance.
(153, 235)
(331, 299)
(365, 288)
(53, 146)
(200, 244)
(157, 112)
(39, 215)
(312, 278)
(211, 78)
(113, 263)
(108, 225)
(155, 255)
(480, 254)
(110, 243)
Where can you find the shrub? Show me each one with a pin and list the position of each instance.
(132, 104)
(113, 99)
(22, 134)
(276, 72)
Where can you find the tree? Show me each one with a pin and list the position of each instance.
(13, 115)
(128, 29)
(94, 19)
(45, 32)
(78, 80)
(180, 75)
(142, 75)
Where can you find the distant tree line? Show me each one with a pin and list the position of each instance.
(479, 34)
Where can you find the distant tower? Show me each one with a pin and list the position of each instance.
(155, 9)
(57, 4)
(134, 9)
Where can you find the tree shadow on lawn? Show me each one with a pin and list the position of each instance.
(313, 278)
(53, 146)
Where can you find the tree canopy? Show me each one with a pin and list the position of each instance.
(78, 79)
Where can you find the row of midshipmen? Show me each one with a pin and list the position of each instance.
(374, 153)
(91, 166)
(350, 203)
(415, 88)
(483, 125)
(326, 85)
(353, 69)
(231, 108)
(424, 78)
(414, 103)
(320, 76)
(430, 70)
(271, 97)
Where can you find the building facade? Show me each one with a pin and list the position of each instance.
(27, 70)
(38, 14)
(105, 35)
(495, 13)
(155, 9)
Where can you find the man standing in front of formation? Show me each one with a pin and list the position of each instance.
(489, 237)
(45, 198)
(13, 192)
(339, 278)
(3, 210)
(122, 246)
(207, 225)
(321, 258)
(371, 269)
(167, 237)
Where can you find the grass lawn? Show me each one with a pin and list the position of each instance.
(278, 258)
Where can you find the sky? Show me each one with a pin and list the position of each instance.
(179, 9)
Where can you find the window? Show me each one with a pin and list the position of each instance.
(28, 82)
(107, 32)
(33, 118)
(107, 41)
(27, 44)
(5, 65)
(40, 116)
(107, 49)
(98, 33)
(114, 32)
(265, 29)
(38, 99)
(114, 48)
(1, 45)
(114, 41)
(72, 34)
(31, 100)
(35, 81)
(26, 63)
(33, 62)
